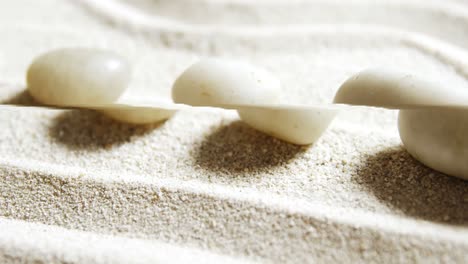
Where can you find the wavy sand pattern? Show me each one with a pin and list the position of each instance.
(77, 186)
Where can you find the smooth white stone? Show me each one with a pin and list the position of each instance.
(78, 76)
(215, 82)
(140, 110)
(434, 123)
(256, 94)
(438, 138)
(139, 116)
(395, 89)
(301, 126)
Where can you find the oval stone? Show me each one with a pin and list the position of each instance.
(255, 94)
(297, 125)
(395, 89)
(78, 77)
(139, 116)
(437, 138)
(217, 82)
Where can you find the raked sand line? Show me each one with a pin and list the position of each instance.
(29, 242)
(230, 223)
(448, 20)
(280, 12)
(118, 206)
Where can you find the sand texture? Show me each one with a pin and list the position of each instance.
(76, 186)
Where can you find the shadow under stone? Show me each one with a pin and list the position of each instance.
(85, 129)
(22, 98)
(403, 183)
(238, 148)
(88, 129)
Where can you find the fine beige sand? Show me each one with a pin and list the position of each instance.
(76, 186)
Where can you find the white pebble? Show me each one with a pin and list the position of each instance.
(437, 138)
(140, 111)
(297, 125)
(139, 116)
(77, 77)
(217, 82)
(434, 125)
(256, 94)
(395, 89)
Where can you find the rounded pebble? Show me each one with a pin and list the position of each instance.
(136, 110)
(256, 94)
(77, 77)
(217, 82)
(139, 115)
(433, 123)
(396, 89)
(437, 138)
(301, 126)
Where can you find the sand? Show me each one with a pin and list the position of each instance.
(76, 186)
